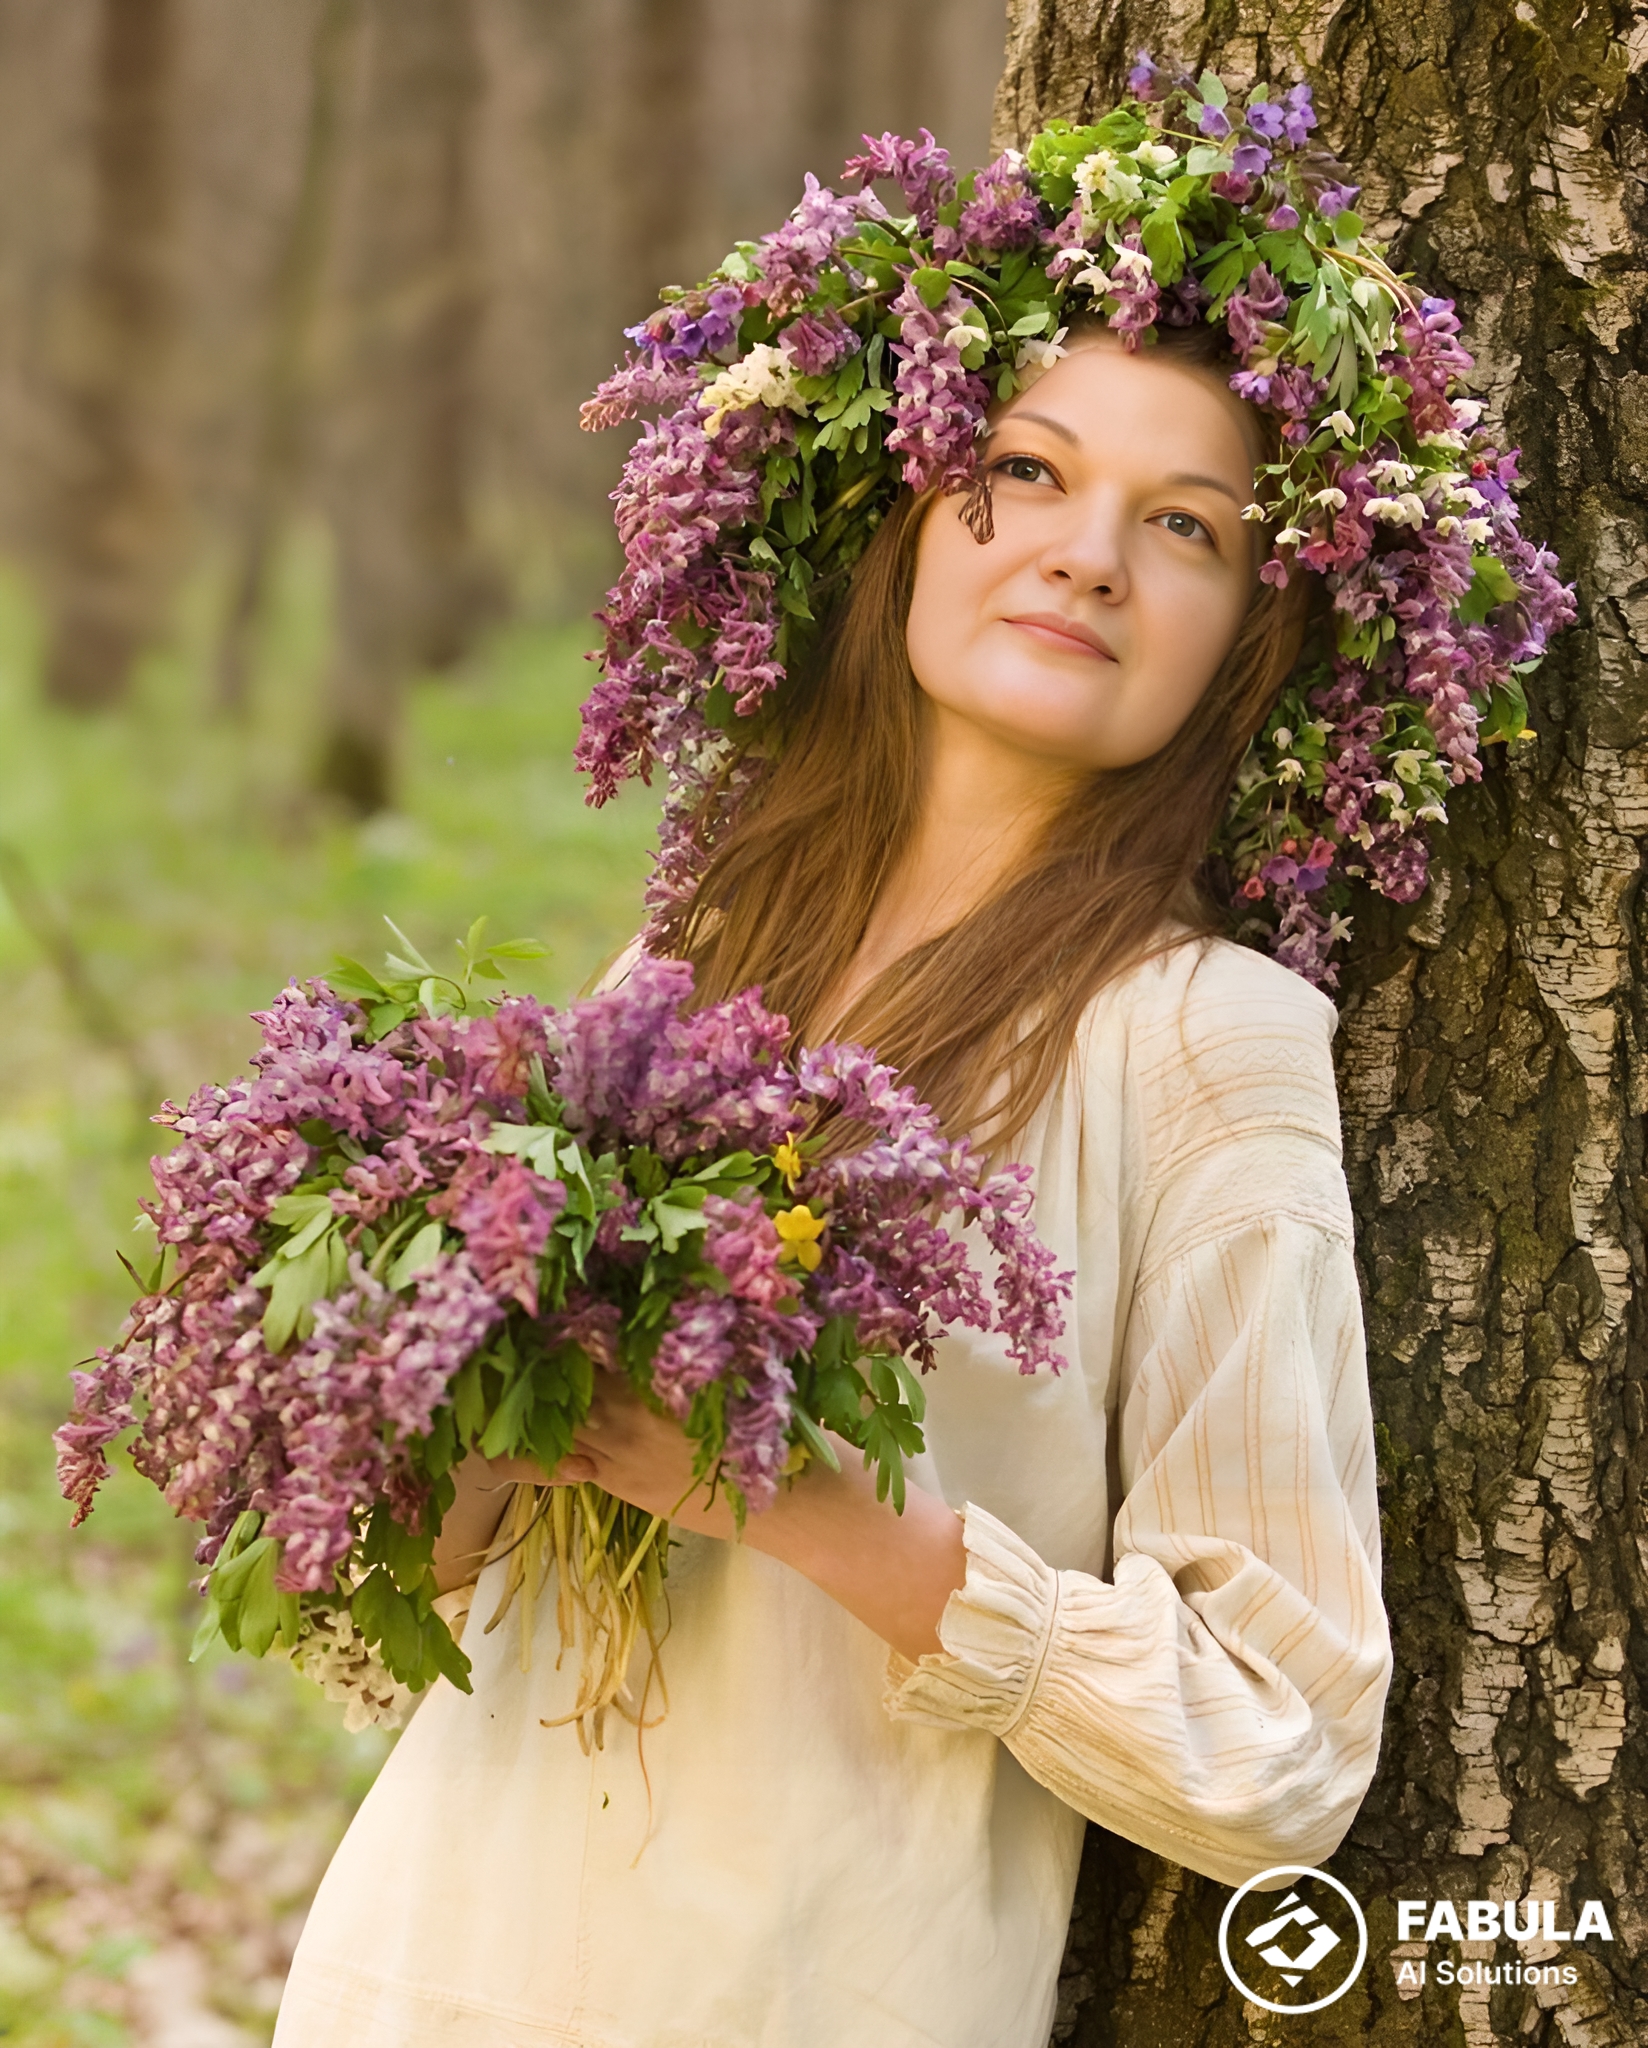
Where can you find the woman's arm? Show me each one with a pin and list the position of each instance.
(469, 1525)
(895, 1573)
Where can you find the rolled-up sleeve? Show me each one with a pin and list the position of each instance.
(1219, 1696)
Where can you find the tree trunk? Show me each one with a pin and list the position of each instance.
(1493, 1065)
(288, 376)
(107, 575)
(663, 147)
(413, 586)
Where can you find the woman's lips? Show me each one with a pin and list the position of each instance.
(1068, 636)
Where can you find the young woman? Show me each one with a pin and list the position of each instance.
(1145, 1591)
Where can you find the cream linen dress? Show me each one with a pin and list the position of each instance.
(1171, 1624)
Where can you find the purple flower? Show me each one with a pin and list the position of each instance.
(1282, 216)
(1213, 122)
(1298, 117)
(1259, 303)
(1250, 159)
(818, 341)
(920, 169)
(702, 323)
(1266, 119)
(1332, 200)
(793, 256)
(1144, 80)
(1004, 212)
(939, 406)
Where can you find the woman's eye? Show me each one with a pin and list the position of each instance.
(1023, 469)
(1183, 524)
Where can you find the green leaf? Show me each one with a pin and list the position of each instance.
(1203, 160)
(814, 1438)
(932, 286)
(1164, 244)
(418, 1256)
(414, 964)
(259, 1604)
(468, 1392)
(1212, 89)
(349, 978)
(298, 1283)
(1491, 584)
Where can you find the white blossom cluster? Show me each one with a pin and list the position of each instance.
(350, 1671)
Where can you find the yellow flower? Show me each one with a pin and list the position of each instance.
(788, 1161)
(799, 1231)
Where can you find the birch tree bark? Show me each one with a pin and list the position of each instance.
(1493, 1061)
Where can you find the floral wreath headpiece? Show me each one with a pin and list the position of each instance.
(855, 351)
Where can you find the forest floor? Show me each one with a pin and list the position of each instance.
(163, 1826)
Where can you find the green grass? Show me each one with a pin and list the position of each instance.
(161, 1827)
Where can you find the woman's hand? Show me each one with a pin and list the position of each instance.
(894, 1572)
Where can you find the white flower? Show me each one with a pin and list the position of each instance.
(1469, 495)
(1102, 172)
(964, 334)
(1282, 736)
(1040, 355)
(1342, 424)
(1363, 835)
(1390, 472)
(1407, 510)
(1251, 512)
(1093, 279)
(766, 376)
(1470, 410)
(1449, 437)
(1431, 814)
(1290, 770)
(1332, 497)
(1158, 154)
(1447, 526)
(1291, 536)
(1442, 483)
(1477, 532)
(349, 1670)
(1392, 792)
(1135, 261)
(1408, 762)
(1338, 928)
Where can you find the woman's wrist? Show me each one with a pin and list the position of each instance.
(469, 1525)
(894, 1572)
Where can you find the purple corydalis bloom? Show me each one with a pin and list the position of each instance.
(818, 341)
(1213, 122)
(940, 406)
(1282, 217)
(920, 169)
(1298, 115)
(1332, 200)
(1250, 159)
(792, 257)
(1259, 303)
(1005, 211)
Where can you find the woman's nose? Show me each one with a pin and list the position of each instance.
(1087, 554)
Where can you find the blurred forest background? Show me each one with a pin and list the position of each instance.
(298, 542)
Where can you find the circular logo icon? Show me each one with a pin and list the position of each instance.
(1296, 1950)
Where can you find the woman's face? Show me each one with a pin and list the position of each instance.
(1088, 628)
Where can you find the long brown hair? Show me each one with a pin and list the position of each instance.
(981, 1018)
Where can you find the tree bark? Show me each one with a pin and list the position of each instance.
(288, 378)
(1491, 1061)
(107, 581)
(413, 584)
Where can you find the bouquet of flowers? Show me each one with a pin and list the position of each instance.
(431, 1220)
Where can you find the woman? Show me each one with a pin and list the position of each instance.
(1145, 1592)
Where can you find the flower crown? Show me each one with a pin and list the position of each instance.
(855, 351)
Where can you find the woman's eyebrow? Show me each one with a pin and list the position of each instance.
(1209, 483)
(1053, 426)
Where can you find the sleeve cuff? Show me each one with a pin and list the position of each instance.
(996, 1630)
